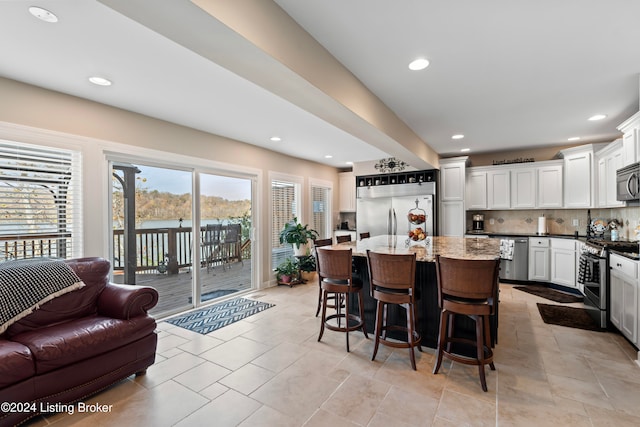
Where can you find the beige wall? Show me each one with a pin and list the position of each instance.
(98, 129)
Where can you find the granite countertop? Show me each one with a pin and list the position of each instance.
(494, 234)
(453, 247)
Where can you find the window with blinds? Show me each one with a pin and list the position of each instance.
(284, 205)
(321, 220)
(40, 202)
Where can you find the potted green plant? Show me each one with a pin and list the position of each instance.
(307, 266)
(298, 235)
(287, 271)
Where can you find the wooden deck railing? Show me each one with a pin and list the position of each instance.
(157, 249)
(170, 248)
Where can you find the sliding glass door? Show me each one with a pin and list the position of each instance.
(159, 241)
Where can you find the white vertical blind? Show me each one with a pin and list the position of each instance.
(40, 201)
(284, 205)
(320, 210)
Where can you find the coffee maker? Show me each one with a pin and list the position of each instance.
(478, 223)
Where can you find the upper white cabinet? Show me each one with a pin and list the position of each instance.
(518, 186)
(579, 176)
(477, 190)
(452, 178)
(347, 200)
(550, 186)
(631, 140)
(610, 159)
(523, 188)
(499, 189)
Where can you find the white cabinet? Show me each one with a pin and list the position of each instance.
(631, 140)
(452, 178)
(517, 186)
(610, 159)
(477, 190)
(539, 259)
(550, 186)
(578, 178)
(624, 296)
(563, 262)
(499, 189)
(452, 219)
(347, 200)
(523, 188)
(452, 196)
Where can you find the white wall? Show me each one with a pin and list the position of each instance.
(36, 115)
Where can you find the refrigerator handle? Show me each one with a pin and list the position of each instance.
(389, 221)
(395, 222)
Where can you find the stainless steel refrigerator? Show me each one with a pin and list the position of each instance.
(384, 209)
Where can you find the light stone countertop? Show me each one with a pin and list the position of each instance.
(452, 247)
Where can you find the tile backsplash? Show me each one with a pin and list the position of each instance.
(559, 221)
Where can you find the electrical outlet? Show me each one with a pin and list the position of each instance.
(492, 221)
(575, 222)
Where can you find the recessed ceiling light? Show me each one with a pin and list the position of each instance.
(418, 64)
(275, 139)
(349, 163)
(43, 14)
(328, 156)
(597, 117)
(573, 138)
(457, 136)
(464, 150)
(100, 81)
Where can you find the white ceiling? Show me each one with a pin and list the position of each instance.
(508, 74)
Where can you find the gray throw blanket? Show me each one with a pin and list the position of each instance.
(26, 284)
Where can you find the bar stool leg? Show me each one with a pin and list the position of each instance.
(319, 301)
(361, 306)
(324, 313)
(377, 329)
(441, 340)
(346, 320)
(410, 336)
(480, 351)
(487, 342)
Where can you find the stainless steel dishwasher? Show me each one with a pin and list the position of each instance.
(514, 254)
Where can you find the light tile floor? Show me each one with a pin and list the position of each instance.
(269, 370)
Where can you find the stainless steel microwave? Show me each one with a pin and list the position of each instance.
(628, 183)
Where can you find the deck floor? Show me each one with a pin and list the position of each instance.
(175, 289)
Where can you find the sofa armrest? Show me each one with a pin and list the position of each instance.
(126, 301)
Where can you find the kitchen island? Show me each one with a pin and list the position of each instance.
(428, 312)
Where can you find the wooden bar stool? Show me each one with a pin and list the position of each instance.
(365, 235)
(316, 244)
(468, 287)
(335, 277)
(392, 279)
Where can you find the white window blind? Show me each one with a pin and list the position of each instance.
(40, 202)
(284, 205)
(321, 219)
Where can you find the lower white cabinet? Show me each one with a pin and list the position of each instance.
(539, 259)
(624, 296)
(563, 262)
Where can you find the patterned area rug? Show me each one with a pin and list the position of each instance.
(550, 294)
(219, 315)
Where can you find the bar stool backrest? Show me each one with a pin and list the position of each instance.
(392, 271)
(467, 279)
(343, 239)
(322, 242)
(334, 264)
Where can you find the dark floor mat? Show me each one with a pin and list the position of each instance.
(568, 316)
(550, 294)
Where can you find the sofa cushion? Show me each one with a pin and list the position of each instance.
(94, 273)
(66, 343)
(17, 363)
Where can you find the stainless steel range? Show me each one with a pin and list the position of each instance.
(593, 273)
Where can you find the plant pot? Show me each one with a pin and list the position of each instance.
(309, 276)
(285, 279)
(302, 250)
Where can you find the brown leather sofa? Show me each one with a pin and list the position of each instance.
(76, 344)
